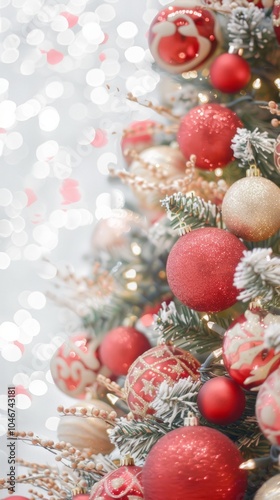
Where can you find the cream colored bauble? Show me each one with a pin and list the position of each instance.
(86, 433)
(270, 490)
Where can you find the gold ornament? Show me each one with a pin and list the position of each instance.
(251, 207)
(86, 433)
(270, 490)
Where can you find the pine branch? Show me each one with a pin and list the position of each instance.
(258, 274)
(191, 212)
(172, 403)
(137, 437)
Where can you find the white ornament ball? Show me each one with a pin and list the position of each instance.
(270, 490)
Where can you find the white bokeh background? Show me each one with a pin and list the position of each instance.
(66, 69)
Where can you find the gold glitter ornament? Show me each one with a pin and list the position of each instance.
(270, 490)
(251, 207)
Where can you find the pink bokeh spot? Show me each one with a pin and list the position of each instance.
(19, 345)
(2, 131)
(100, 139)
(31, 196)
(54, 56)
(106, 38)
(70, 191)
(71, 18)
(102, 56)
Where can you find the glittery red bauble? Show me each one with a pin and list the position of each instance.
(221, 401)
(201, 266)
(75, 364)
(246, 358)
(138, 137)
(268, 408)
(276, 20)
(229, 73)
(206, 131)
(121, 347)
(196, 463)
(125, 483)
(183, 38)
(160, 363)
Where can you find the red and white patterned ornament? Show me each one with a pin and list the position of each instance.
(277, 149)
(75, 364)
(276, 19)
(160, 363)
(125, 483)
(182, 38)
(246, 358)
(268, 407)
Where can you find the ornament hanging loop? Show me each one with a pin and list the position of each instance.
(253, 171)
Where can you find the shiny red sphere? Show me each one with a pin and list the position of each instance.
(229, 73)
(206, 131)
(221, 401)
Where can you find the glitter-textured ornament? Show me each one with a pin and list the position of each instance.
(183, 38)
(207, 131)
(138, 137)
(270, 490)
(268, 407)
(75, 364)
(160, 363)
(246, 358)
(201, 266)
(196, 463)
(229, 73)
(121, 347)
(277, 151)
(86, 433)
(251, 208)
(221, 400)
(125, 483)
(276, 19)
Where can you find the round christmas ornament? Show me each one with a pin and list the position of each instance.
(75, 364)
(229, 73)
(246, 358)
(81, 496)
(198, 463)
(16, 497)
(201, 266)
(86, 433)
(277, 152)
(138, 136)
(276, 19)
(251, 207)
(125, 483)
(270, 490)
(206, 131)
(221, 401)
(160, 363)
(268, 408)
(183, 38)
(121, 347)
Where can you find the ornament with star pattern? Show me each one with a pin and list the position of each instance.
(125, 483)
(160, 363)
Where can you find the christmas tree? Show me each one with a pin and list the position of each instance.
(174, 373)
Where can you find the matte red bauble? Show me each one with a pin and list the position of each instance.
(82, 496)
(196, 463)
(125, 483)
(246, 358)
(183, 38)
(160, 363)
(201, 266)
(221, 401)
(206, 132)
(74, 366)
(268, 408)
(229, 73)
(120, 348)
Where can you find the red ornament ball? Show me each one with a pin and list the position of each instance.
(268, 408)
(246, 358)
(160, 363)
(183, 38)
(16, 497)
(206, 131)
(121, 347)
(201, 266)
(74, 366)
(276, 20)
(277, 150)
(125, 483)
(198, 463)
(221, 401)
(229, 73)
(81, 496)
(137, 137)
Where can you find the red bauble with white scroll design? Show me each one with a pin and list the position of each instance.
(125, 483)
(268, 408)
(183, 38)
(74, 366)
(160, 363)
(277, 153)
(276, 19)
(246, 358)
